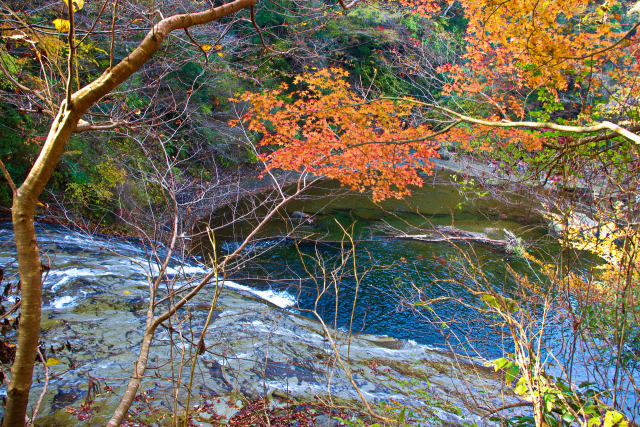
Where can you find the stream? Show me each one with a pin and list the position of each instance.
(396, 269)
(263, 336)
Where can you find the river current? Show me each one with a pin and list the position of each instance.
(96, 290)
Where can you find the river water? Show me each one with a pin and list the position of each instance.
(394, 270)
(96, 291)
(395, 275)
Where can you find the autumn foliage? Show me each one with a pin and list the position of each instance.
(323, 127)
(520, 46)
(523, 60)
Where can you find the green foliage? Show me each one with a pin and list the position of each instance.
(468, 190)
(18, 147)
(12, 65)
(411, 23)
(550, 105)
(268, 17)
(356, 422)
(561, 403)
(91, 175)
(369, 14)
(98, 187)
(377, 74)
(500, 303)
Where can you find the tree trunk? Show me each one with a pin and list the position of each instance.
(30, 269)
(136, 378)
(30, 266)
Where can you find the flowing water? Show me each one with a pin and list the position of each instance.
(96, 292)
(395, 276)
(95, 295)
(396, 269)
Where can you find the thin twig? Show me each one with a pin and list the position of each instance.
(204, 52)
(5, 172)
(44, 389)
(113, 33)
(72, 49)
(11, 310)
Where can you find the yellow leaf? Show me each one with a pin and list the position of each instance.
(220, 54)
(62, 25)
(127, 292)
(218, 46)
(77, 4)
(206, 47)
(52, 361)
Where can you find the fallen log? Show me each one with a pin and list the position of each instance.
(440, 234)
(451, 234)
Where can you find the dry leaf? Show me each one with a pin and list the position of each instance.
(77, 4)
(62, 25)
(52, 361)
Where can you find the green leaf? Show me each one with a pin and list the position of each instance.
(498, 363)
(511, 373)
(591, 410)
(595, 421)
(521, 387)
(549, 401)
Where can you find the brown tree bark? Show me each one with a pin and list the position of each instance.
(26, 196)
(30, 266)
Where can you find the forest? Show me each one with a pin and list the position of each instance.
(320, 212)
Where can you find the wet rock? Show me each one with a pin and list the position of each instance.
(253, 348)
(324, 420)
(303, 216)
(66, 396)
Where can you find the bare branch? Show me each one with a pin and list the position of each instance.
(204, 52)
(84, 126)
(113, 33)
(5, 172)
(72, 50)
(604, 125)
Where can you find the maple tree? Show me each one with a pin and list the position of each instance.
(550, 84)
(325, 128)
(521, 57)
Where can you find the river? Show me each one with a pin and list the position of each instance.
(95, 295)
(396, 269)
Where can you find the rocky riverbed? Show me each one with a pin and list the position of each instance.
(257, 345)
